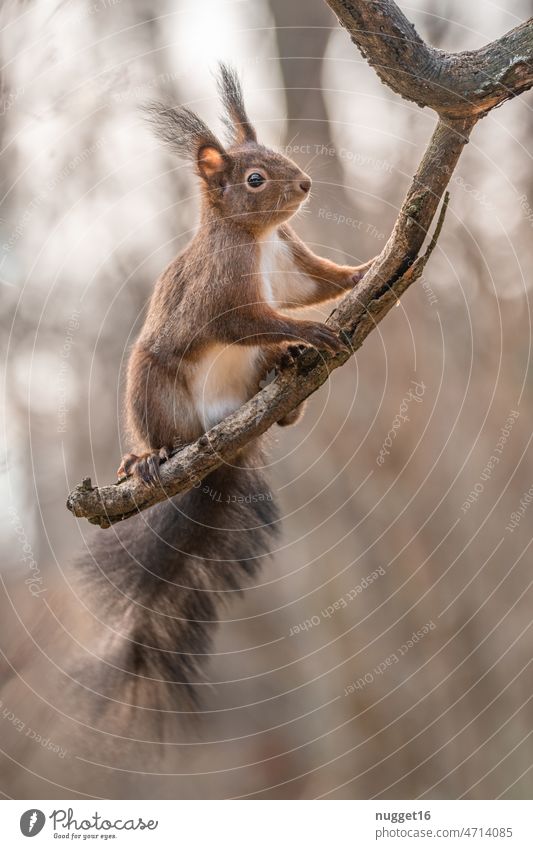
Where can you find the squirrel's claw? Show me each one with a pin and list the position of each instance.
(321, 336)
(361, 270)
(143, 466)
(290, 354)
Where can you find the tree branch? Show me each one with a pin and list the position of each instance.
(462, 88)
(453, 84)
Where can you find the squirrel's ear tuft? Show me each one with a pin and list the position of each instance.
(235, 117)
(181, 129)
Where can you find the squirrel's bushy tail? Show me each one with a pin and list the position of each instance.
(158, 581)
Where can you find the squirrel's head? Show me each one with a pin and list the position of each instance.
(243, 181)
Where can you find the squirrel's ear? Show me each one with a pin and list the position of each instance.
(212, 162)
(235, 117)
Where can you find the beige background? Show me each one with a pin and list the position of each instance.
(92, 209)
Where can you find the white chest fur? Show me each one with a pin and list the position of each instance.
(284, 285)
(224, 378)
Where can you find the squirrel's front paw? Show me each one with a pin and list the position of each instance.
(143, 466)
(321, 336)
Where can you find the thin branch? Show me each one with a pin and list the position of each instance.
(462, 88)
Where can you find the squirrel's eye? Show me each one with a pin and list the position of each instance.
(255, 180)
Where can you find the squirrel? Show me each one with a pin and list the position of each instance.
(213, 330)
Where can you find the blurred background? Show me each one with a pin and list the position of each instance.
(386, 650)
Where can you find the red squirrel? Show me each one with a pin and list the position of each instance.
(216, 324)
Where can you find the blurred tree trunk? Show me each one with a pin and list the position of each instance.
(302, 48)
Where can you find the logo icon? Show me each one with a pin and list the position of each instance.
(32, 822)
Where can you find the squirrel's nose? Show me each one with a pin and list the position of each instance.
(305, 185)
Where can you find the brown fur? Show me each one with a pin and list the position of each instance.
(213, 329)
(222, 295)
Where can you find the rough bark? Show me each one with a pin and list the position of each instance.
(461, 88)
(453, 84)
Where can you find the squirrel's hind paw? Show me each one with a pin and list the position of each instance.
(143, 466)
